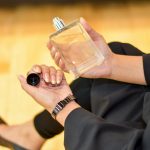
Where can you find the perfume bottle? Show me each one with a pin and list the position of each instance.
(77, 49)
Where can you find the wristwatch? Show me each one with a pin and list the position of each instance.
(61, 105)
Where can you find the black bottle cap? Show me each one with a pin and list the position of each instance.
(33, 79)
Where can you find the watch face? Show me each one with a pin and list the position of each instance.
(33, 79)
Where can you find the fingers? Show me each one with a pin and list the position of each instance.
(55, 76)
(55, 55)
(58, 59)
(53, 52)
(35, 69)
(59, 76)
(45, 73)
(61, 64)
(48, 74)
(52, 74)
(49, 45)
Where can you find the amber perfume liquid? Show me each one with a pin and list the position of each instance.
(78, 50)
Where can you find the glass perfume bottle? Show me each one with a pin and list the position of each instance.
(77, 49)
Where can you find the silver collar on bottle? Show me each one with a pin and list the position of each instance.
(58, 23)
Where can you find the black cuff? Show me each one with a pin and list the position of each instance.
(146, 65)
(75, 123)
(46, 126)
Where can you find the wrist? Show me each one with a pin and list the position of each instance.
(61, 104)
(128, 69)
(58, 99)
(114, 65)
(62, 109)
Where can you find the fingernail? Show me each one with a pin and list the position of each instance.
(57, 54)
(46, 77)
(58, 81)
(37, 69)
(53, 80)
(53, 49)
(82, 19)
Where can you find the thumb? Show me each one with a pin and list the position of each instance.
(28, 88)
(92, 33)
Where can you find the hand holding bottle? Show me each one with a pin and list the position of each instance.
(100, 70)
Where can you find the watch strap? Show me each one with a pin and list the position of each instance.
(60, 105)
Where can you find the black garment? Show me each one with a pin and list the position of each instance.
(119, 118)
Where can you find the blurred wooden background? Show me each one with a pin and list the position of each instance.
(24, 32)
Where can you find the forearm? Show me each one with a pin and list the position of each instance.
(128, 69)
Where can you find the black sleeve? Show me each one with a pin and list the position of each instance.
(85, 131)
(128, 49)
(146, 65)
(125, 49)
(81, 89)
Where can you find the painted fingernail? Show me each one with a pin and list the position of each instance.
(53, 49)
(56, 55)
(58, 81)
(46, 77)
(37, 69)
(53, 80)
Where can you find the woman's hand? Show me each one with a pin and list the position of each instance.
(104, 70)
(51, 89)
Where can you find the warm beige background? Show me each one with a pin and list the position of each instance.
(24, 32)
